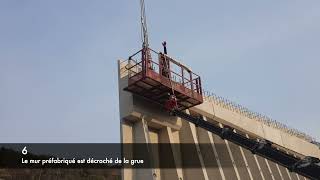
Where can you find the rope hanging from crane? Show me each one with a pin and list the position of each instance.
(144, 28)
(171, 103)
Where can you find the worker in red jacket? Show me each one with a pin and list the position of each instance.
(171, 103)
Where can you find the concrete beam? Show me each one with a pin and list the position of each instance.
(257, 129)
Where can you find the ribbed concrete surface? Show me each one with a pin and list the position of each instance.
(145, 123)
(252, 165)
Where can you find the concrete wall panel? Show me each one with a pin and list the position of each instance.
(272, 134)
(264, 168)
(223, 154)
(146, 122)
(301, 177)
(274, 170)
(240, 164)
(126, 137)
(299, 145)
(210, 161)
(252, 164)
(293, 176)
(256, 128)
(284, 173)
(187, 136)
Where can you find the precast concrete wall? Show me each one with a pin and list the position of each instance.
(143, 122)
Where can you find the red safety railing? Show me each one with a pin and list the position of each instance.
(176, 72)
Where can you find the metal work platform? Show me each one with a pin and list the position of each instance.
(156, 80)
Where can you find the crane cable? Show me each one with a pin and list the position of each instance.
(166, 64)
(144, 28)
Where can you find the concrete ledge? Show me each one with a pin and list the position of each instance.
(257, 129)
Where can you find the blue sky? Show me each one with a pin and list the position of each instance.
(58, 76)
